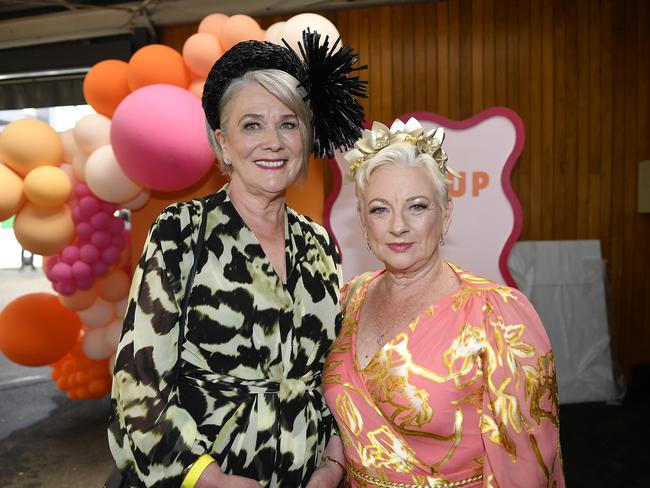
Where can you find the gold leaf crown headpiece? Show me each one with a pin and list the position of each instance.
(379, 137)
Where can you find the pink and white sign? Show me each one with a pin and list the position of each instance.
(487, 217)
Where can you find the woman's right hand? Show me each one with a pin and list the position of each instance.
(213, 477)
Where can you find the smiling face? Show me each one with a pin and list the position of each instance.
(261, 140)
(400, 214)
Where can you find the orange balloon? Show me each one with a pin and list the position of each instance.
(36, 329)
(156, 63)
(19, 150)
(47, 186)
(200, 52)
(239, 28)
(11, 196)
(212, 24)
(43, 230)
(106, 85)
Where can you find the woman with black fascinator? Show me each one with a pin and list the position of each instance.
(235, 301)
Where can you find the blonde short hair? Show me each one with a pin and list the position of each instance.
(285, 88)
(404, 154)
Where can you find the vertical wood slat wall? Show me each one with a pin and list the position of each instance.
(576, 71)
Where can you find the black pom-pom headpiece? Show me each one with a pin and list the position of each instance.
(323, 73)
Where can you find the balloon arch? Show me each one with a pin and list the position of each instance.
(65, 191)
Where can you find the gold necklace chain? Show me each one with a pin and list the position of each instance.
(390, 484)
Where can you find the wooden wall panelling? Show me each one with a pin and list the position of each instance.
(578, 74)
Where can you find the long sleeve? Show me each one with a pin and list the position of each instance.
(151, 437)
(519, 418)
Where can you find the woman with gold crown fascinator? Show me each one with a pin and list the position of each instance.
(235, 301)
(438, 378)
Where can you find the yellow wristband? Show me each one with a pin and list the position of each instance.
(195, 471)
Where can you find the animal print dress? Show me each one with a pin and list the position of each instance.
(249, 390)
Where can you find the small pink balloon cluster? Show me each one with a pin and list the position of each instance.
(98, 245)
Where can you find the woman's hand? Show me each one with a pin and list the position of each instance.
(328, 475)
(213, 477)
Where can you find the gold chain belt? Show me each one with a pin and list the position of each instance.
(389, 484)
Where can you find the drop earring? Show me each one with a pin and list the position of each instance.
(367, 241)
(442, 241)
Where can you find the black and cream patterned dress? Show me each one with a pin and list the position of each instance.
(249, 391)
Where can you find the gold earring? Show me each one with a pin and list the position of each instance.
(367, 240)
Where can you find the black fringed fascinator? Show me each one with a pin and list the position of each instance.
(323, 72)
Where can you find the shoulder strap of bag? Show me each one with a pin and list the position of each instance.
(198, 248)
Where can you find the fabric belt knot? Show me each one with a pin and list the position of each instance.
(285, 388)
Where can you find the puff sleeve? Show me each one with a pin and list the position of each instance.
(519, 415)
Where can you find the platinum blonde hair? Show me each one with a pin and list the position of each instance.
(404, 154)
(285, 88)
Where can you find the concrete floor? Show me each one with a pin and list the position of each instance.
(46, 439)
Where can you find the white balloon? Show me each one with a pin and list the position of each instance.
(94, 345)
(139, 201)
(293, 28)
(112, 334)
(105, 178)
(98, 314)
(120, 308)
(274, 33)
(92, 132)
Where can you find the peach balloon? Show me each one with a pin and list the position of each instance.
(292, 31)
(92, 132)
(11, 196)
(36, 330)
(106, 85)
(120, 308)
(69, 145)
(105, 177)
(200, 52)
(43, 230)
(196, 88)
(80, 300)
(29, 143)
(94, 345)
(154, 64)
(114, 286)
(139, 201)
(239, 28)
(212, 24)
(98, 314)
(274, 33)
(112, 333)
(79, 166)
(47, 186)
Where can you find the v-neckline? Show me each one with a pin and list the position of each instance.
(361, 294)
(289, 258)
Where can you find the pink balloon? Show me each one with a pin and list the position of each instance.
(81, 271)
(89, 206)
(111, 255)
(81, 190)
(86, 282)
(85, 230)
(89, 253)
(118, 241)
(101, 239)
(65, 288)
(70, 254)
(162, 146)
(116, 227)
(100, 220)
(108, 207)
(99, 268)
(76, 215)
(61, 272)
